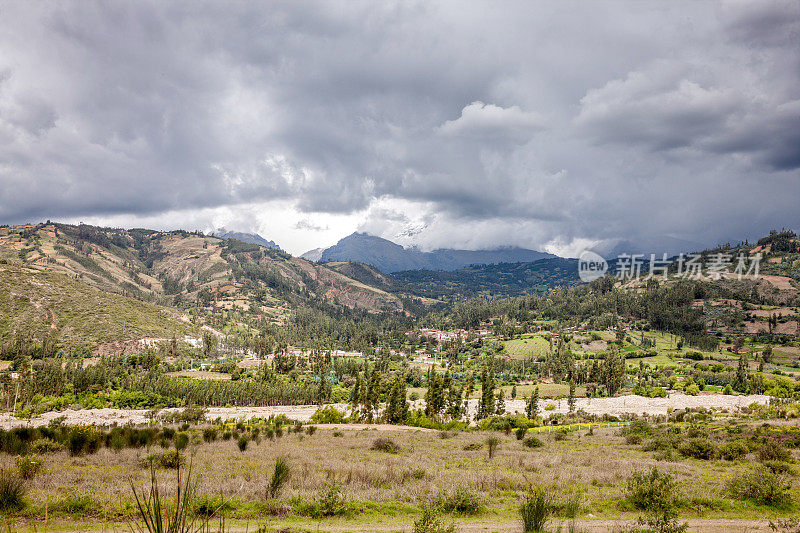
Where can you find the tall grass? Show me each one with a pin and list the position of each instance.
(12, 491)
(535, 510)
(160, 515)
(280, 475)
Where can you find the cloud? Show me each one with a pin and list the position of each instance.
(484, 121)
(437, 124)
(662, 108)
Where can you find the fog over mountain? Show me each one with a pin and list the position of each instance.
(391, 257)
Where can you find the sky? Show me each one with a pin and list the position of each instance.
(556, 126)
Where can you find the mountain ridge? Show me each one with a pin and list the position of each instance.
(389, 257)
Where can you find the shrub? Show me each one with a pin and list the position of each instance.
(210, 506)
(209, 434)
(310, 430)
(384, 444)
(535, 510)
(430, 522)
(472, 446)
(698, 448)
(169, 459)
(763, 486)
(28, 466)
(226, 435)
(328, 415)
(520, 433)
(733, 449)
(533, 442)
(280, 475)
(492, 443)
(338, 434)
(332, 501)
(12, 491)
(560, 435)
(46, 445)
(773, 450)
(181, 441)
(692, 390)
(241, 442)
(461, 501)
(657, 495)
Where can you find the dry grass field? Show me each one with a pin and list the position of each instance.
(384, 491)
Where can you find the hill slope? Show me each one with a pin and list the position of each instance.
(192, 271)
(49, 310)
(390, 257)
(503, 279)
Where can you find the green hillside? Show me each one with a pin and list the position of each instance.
(46, 311)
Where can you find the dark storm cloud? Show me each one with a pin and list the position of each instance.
(525, 125)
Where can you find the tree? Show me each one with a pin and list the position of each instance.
(209, 343)
(501, 403)
(486, 405)
(532, 409)
(397, 406)
(614, 372)
(740, 385)
(571, 398)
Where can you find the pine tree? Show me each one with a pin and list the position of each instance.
(741, 374)
(532, 409)
(571, 398)
(486, 406)
(501, 403)
(514, 392)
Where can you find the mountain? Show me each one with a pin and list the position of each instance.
(502, 279)
(391, 257)
(251, 238)
(313, 255)
(240, 286)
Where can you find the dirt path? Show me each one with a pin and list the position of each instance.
(597, 406)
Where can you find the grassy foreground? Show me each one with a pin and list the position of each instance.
(344, 478)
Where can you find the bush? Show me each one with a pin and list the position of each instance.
(472, 446)
(430, 522)
(520, 433)
(692, 390)
(28, 466)
(698, 448)
(241, 442)
(763, 486)
(280, 475)
(733, 449)
(657, 495)
(310, 430)
(169, 459)
(332, 501)
(12, 491)
(535, 510)
(45, 445)
(209, 434)
(328, 415)
(181, 441)
(384, 444)
(461, 501)
(773, 450)
(533, 442)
